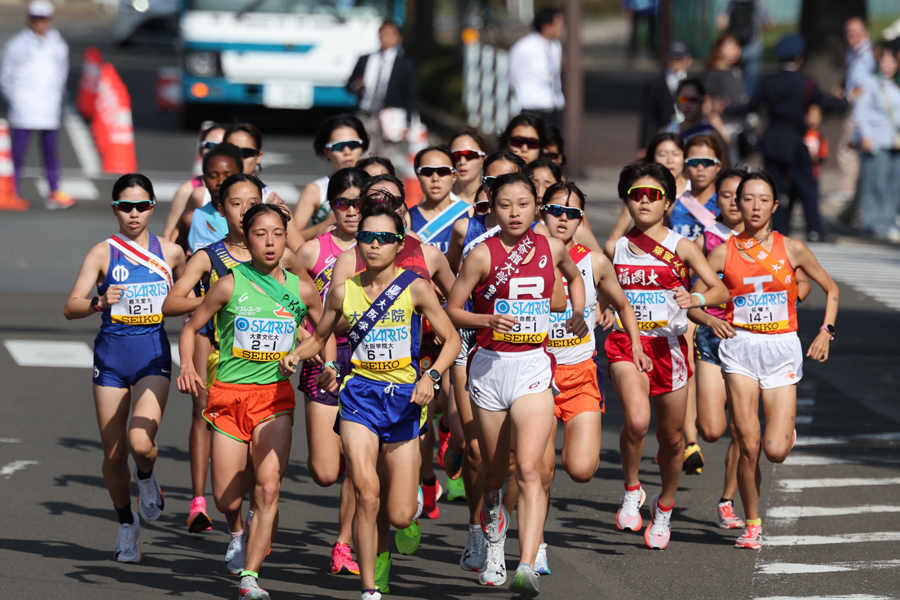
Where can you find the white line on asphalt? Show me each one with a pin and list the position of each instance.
(81, 189)
(165, 190)
(33, 353)
(82, 142)
(798, 485)
(804, 419)
(286, 191)
(806, 402)
(819, 540)
(797, 512)
(851, 597)
(819, 441)
(10, 441)
(805, 460)
(798, 568)
(17, 465)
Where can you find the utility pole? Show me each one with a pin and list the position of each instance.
(573, 72)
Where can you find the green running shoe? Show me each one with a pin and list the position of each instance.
(456, 489)
(408, 539)
(383, 572)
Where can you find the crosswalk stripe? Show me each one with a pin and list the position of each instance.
(820, 540)
(805, 460)
(872, 271)
(80, 189)
(797, 568)
(798, 485)
(798, 512)
(33, 353)
(850, 597)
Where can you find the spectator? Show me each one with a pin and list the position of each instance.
(535, 64)
(384, 80)
(788, 94)
(747, 20)
(723, 81)
(658, 106)
(699, 118)
(860, 64)
(33, 78)
(877, 115)
(642, 10)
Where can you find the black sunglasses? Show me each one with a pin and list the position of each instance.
(383, 197)
(343, 144)
(517, 141)
(442, 171)
(383, 237)
(488, 180)
(127, 206)
(208, 145)
(343, 204)
(249, 152)
(558, 211)
(482, 206)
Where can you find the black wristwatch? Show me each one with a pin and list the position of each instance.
(435, 377)
(95, 304)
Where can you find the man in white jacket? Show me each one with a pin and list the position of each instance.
(33, 78)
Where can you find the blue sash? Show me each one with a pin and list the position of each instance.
(382, 304)
(444, 220)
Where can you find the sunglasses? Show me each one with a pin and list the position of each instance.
(208, 145)
(467, 154)
(653, 194)
(126, 206)
(702, 162)
(558, 211)
(551, 155)
(343, 204)
(442, 171)
(383, 197)
(344, 145)
(383, 237)
(488, 180)
(517, 141)
(482, 206)
(249, 152)
(687, 99)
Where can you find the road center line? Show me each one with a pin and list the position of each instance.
(850, 597)
(798, 485)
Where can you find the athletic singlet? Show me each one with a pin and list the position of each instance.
(527, 298)
(650, 286)
(207, 227)
(759, 301)
(567, 347)
(139, 310)
(197, 181)
(324, 208)
(220, 261)
(411, 258)
(322, 270)
(255, 332)
(686, 224)
(441, 240)
(713, 238)
(390, 350)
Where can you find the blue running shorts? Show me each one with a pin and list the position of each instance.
(382, 407)
(120, 361)
(706, 345)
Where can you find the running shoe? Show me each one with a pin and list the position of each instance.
(474, 556)
(656, 457)
(151, 501)
(541, 566)
(59, 199)
(494, 572)
(629, 514)
(494, 521)
(456, 489)
(751, 538)
(420, 498)
(342, 558)
(794, 438)
(198, 521)
(371, 595)
(443, 441)
(236, 554)
(383, 572)
(250, 590)
(659, 530)
(127, 550)
(408, 539)
(453, 463)
(727, 518)
(693, 459)
(430, 509)
(525, 583)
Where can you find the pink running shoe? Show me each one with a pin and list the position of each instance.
(430, 508)
(751, 538)
(198, 521)
(659, 531)
(629, 514)
(443, 442)
(727, 518)
(342, 558)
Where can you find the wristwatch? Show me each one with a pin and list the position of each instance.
(334, 366)
(435, 377)
(95, 304)
(829, 328)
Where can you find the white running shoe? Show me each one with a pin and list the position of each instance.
(495, 566)
(236, 555)
(541, 566)
(525, 583)
(249, 589)
(474, 557)
(151, 501)
(629, 514)
(726, 517)
(371, 595)
(659, 530)
(421, 499)
(494, 521)
(127, 550)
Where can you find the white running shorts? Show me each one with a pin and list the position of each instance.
(774, 360)
(467, 338)
(497, 379)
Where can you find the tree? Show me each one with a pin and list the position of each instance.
(822, 25)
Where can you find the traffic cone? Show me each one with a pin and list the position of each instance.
(112, 126)
(417, 138)
(9, 197)
(90, 76)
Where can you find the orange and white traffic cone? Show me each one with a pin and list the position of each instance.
(90, 77)
(9, 197)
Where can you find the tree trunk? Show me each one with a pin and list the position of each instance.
(822, 25)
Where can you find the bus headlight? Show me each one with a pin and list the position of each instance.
(202, 64)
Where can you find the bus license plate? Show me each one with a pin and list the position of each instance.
(288, 95)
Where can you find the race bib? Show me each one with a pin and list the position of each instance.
(650, 308)
(763, 311)
(140, 304)
(559, 337)
(533, 316)
(384, 349)
(263, 340)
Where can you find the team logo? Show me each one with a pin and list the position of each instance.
(534, 385)
(120, 273)
(543, 262)
(282, 312)
(243, 297)
(96, 372)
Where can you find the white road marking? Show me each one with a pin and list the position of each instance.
(17, 465)
(798, 568)
(82, 142)
(286, 191)
(872, 271)
(850, 597)
(805, 460)
(33, 353)
(80, 189)
(819, 441)
(798, 485)
(820, 540)
(801, 401)
(270, 159)
(10, 441)
(804, 419)
(165, 190)
(796, 512)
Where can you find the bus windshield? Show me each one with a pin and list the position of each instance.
(341, 8)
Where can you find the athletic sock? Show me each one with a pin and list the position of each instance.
(754, 521)
(252, 574)
(126, 517)
(143, 476)
(430, 481)
(237, 534)
(692, 443)
(664, 508)
(725, 500)
(632, 488)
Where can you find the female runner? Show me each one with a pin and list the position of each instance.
(133, 272)
(381, 404)
(468, 149)
(525, 136)
(258, 307)
(761, 353)
(210, 137)
(376, 165)
(651, 262)
(510, 372)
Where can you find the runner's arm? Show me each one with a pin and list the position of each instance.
(802, 257)
(610, 290)
(173, 254)
(189, 382)
(316, 342)
(618, 230)
(179, 235)
(78, 305)
(577, 295)
(179, 201)
(306, 206)
(558, 301)
(427, 303)
(177, 302)
(439, 268)
(584, 235)
(290, 263)
(803, 285)
(716, 292)
(309, 295)
(457, 239)
(473, 269)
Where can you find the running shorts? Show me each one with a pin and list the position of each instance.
(120, 361)
(309, 372)
(497, 379)
(706, 345)
(467, 337)
(774, 359)
(382, 407)
(236, 409)
(671, 370)
(579, 390)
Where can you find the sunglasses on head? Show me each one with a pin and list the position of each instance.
(482, 206)
(344, 145)
(702, 162)
(343, 204)
(467, 154)
(382, 197)
(517, 141)
(208, 145)
(126, 206)
(249, 152)
(551, 155)
(558, 211)
(653, 194)
(442, 171)
(383, 237)
(686, 99)
(488, 180)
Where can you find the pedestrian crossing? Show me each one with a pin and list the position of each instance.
(58, 354)
(871, 270)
